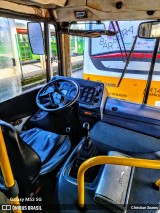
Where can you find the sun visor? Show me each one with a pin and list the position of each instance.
(60, 3)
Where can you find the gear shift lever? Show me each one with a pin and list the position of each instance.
(87, 141)
(86, 126)
(87, 150)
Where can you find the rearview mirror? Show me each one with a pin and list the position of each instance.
(35, 38)
(149, 29)
(91, 30)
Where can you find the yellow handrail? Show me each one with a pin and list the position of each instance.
(6, 169)
(158, 183)
(99, 160)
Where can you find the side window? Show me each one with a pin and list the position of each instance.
(77, 52)
(10, 72)
(32, 66)
(53, 50)
(20, 69)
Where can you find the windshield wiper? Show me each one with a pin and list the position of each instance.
(118, 40)
(119, 31)
(149, 80)
(128, 60)
(117, 24)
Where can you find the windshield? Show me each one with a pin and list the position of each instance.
(123, 62)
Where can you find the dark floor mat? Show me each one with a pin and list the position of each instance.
(143, 193)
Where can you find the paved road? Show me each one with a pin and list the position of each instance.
(76, 74)
(29, 70)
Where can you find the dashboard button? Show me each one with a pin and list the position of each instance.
(86, 89)
(96, 100)
(83, 98)
(91, 90)
(98, 90)
(88, 99)
(84, 94)
(89, 95)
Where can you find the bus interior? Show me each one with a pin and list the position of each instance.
(79, 144)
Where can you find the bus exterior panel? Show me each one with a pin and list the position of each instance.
(105, 59)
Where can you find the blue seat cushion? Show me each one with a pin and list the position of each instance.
(51, 147)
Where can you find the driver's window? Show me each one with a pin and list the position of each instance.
(76, 53)
(53, 51)
(20, 69)
(10, 70)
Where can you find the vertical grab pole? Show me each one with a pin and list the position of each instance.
(6, 169)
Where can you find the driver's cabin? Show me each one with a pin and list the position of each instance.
(79, 106)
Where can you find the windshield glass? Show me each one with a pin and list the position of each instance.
(124, 56)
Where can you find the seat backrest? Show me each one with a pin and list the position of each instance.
(25, 162)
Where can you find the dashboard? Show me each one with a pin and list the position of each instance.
(91, 97)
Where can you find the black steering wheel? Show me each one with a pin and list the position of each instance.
(58, 94)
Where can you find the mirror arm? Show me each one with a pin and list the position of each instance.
(69, 26)
(118, 40)
(121, 38)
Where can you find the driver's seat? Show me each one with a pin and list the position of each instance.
(33, 154)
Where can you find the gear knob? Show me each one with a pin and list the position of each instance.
(86, 126)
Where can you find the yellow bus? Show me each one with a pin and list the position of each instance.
(123, 62)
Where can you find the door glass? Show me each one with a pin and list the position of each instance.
(53, 50)
(32, 66)
(76, 52)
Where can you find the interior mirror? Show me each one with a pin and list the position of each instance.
(149, 29)
(35, 38)
(92, 30)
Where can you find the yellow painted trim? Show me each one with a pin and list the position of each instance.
(99, 160)
(6, 168)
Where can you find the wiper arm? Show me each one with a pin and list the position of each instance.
(121, 38)
(118, 39)
(128, 60)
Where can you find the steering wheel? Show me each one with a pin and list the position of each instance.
(58, 94)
